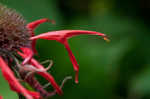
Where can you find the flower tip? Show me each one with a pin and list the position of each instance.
(106, 39)
(76, 77)
(59, 91)
(76, 81)
(51, 21)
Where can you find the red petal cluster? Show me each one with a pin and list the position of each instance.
(27, 54)
(13, 82)
(62, 36)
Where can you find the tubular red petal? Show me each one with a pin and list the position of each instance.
(9, 76)
(31, 27)
(46, 75)
(34, 24)
(64, 34)
(50, 78)
(28, 52)
(73, 60)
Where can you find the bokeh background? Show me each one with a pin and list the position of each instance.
(119, 69)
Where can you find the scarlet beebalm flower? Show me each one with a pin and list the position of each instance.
(18, 39)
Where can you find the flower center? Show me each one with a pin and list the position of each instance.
(13, 33)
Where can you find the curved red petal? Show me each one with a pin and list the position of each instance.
(64, 34)
(34, 24)
(73, 60)
(31, 27)
(9, 76)
(46, 75)
(28, 52)
(51, 79)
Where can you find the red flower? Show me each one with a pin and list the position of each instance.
(26, 43)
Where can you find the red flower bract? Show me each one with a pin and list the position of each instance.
(29, 64)
(62, 36)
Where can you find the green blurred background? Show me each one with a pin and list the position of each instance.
(116, 70)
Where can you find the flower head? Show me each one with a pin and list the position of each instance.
(13, 33)
(18, 40)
